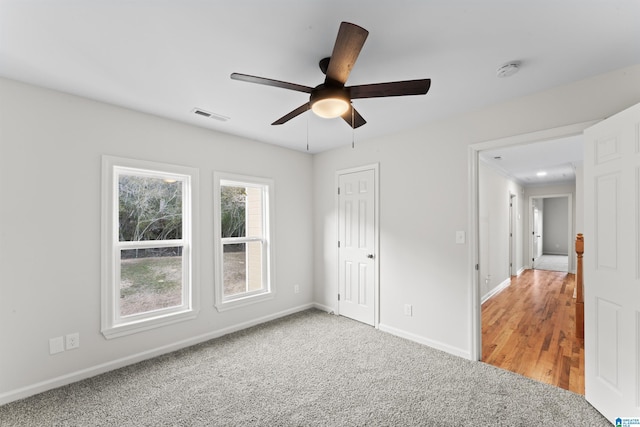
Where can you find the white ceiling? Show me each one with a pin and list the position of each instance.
(556, 158)
(167, 57)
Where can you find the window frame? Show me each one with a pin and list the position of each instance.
(112, 324)
(266, 185)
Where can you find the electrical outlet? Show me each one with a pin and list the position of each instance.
(408, 310)
(73, 341)
(56, 345)
(296, 289)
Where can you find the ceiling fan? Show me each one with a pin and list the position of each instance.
(332, 98)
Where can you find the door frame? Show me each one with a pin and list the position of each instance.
(376, 233)
(474, 215)
(536, 217)
(570, 225)
(512, 238)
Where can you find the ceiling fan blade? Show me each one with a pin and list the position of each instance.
(271, 82)
(376, 90)
(301, 109)
(348, 44)
(354, 121)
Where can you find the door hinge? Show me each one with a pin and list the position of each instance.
(338, 191)
(338, 297)
(338, 243)
(477, 267)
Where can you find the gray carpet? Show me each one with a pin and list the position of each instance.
(552, 263)
(308, 369)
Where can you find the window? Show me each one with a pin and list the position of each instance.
(242, 240)
(148, 229)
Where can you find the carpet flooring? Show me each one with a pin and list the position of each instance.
(307, 369)
(552, 263)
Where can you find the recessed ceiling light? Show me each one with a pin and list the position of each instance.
(542, 173)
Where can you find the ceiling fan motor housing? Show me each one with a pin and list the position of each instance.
(329, 102)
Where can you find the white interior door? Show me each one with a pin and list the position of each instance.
(537, 232)
(511, 237)
(357, 257)
(611, 268)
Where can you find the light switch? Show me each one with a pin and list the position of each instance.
(460, 237)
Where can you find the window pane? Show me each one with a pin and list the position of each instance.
(242, 268)
(254, 212)
(233, 211)
(234, 268)
(149, 208)
(254, 266)
(150, 279)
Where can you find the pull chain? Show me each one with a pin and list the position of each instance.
(307, 132)
(353, 129)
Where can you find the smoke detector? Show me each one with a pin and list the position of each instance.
(508, 69)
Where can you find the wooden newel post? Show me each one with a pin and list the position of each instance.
(579, 288)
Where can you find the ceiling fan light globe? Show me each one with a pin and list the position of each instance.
(330, 108)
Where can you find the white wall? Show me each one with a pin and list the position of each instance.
(579, 225)
(556, 226)
(493, 200)
(50, 153)
(420, 263)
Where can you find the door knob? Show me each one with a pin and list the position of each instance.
(370, 256)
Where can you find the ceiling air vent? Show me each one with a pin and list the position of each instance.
(209, 114)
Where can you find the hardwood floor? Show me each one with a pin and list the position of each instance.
(529, 328)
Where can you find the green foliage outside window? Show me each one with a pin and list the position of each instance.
(233, 202)
(149, 209)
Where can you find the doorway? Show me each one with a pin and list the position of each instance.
(537, 233)
(551, 232)
(474, 159)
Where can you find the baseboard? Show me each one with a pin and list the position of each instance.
(425, 341)
(495, 291)
(520, 271)
(323, 307)
(92, 371)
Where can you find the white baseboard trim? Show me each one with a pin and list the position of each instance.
(520, 271)
(92, 371)
(323, 307)
(495, 291)
(425, 341)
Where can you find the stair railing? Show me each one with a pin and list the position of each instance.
(579, 288)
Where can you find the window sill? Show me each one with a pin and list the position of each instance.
(124, 329)
(244, 301)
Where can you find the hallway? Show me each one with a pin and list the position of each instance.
(529, 329)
